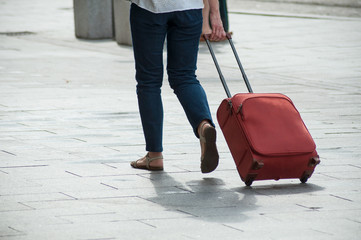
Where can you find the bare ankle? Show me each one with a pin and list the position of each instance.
(201, 126)
(155, 154)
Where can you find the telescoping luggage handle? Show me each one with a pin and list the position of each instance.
(229, 37)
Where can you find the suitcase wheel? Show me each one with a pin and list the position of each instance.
(250, 178)
(305, 176)
(304, 179)
(249, 182)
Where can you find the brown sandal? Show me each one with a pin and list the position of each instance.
(148, 160)
(209, 157)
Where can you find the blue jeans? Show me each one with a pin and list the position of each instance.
(182, 30)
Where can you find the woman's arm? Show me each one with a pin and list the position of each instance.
(218, 32)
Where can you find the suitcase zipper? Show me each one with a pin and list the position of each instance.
(230, 107)
(241, 106)
(239, 110)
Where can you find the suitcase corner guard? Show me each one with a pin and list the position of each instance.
(256, 165)
(314, 161)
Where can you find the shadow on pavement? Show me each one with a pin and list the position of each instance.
(209, 199)
(280, 189)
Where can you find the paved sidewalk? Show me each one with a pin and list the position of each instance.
(310, 8)
(69, 127)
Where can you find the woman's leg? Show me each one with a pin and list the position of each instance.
(148, 34)
(183, 41)
(182, 44)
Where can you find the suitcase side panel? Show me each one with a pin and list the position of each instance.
(235, 138)
(272, 124)
(286, 167)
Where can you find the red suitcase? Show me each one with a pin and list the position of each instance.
(265, 133)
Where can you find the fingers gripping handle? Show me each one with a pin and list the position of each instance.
(229, 37)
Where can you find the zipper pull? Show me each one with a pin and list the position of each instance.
(239, 110)
(230, 107)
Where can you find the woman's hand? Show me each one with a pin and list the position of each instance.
(218, 33)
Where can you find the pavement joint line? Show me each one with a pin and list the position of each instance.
(74, 174)
(68, 195)
(145, 223)
(354, 166)
(188, 213)
(284, 15)
(108, 165)
(20, 233)
(311, 3)
(107, 185)
(8, 152)
(319, 231)
(114, 149)
(31, 208)
(353, 220)
(309, 208)
(26, 166)
(21, 33)
(341, 198)
(3, 172)
(87, 214)
(234, 228)
(80, 140)
(184, 189)
(99, 238)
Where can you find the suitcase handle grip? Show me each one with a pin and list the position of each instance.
(229, 37)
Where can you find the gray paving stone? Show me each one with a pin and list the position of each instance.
(69, 126)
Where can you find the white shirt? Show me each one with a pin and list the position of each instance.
(163, 6)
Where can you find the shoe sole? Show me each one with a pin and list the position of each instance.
(210, 159)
